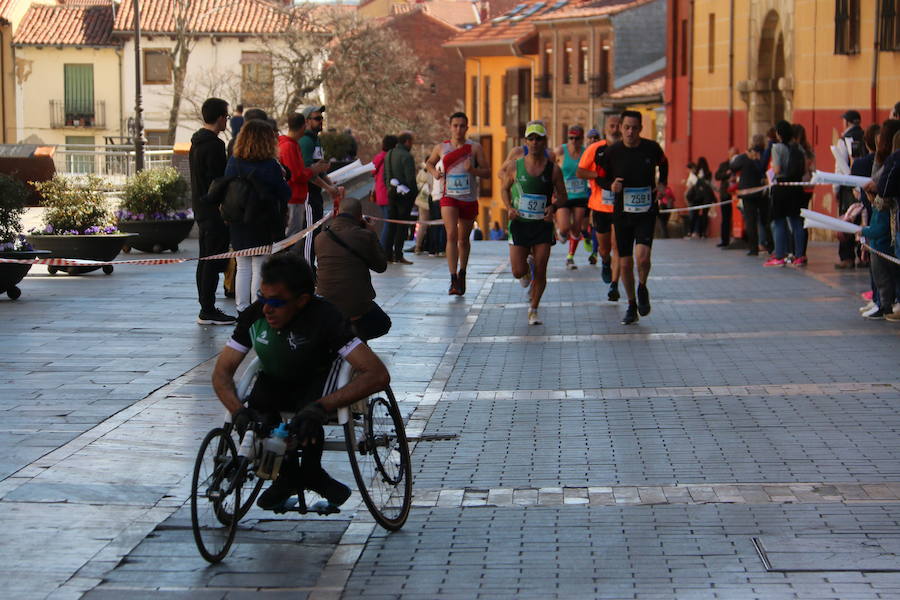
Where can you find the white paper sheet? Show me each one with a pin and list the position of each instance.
(821, 177)
(351, 171)
(822, 221)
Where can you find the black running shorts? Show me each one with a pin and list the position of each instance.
(634, 229)
(601, 221)
(530, 233)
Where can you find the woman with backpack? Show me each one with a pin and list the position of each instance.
(789, 165)
(257, 218)
(700, 192)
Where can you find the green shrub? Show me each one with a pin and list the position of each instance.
(74, 208)
(153, 194)
(13, 195)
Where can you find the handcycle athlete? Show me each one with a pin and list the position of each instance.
(297, 337)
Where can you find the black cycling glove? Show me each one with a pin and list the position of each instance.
(243, 418)
(308, 423)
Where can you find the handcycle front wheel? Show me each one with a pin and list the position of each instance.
(250, 483)
(379, 456)
(215, 494)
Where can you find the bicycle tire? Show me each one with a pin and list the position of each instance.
(250, 483)
(381, 474)
(212, 536)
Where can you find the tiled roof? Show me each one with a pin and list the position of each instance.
(454, 12)
(207, 16)
(592, 9)
(66, 26)
(650, 86)
(512, 26)
(6, 8)
(410, 12)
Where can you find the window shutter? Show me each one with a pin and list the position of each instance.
(79, 89)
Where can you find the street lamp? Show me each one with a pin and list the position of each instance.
(138, 120)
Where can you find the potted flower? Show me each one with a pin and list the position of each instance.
(153, 206)
(77, 223)
(13, 196)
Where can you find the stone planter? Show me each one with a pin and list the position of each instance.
(100, 247)
(11, 273)
(156, 236)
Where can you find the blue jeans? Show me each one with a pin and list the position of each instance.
(800, 235)
(780, 225)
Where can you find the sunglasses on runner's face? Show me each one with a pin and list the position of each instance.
(575, 137)
(535, 138)
(316, 118)
(273, 302)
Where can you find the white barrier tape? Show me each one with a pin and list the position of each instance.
(698, 207)
(893, 259)
(431, 222)
(258, 251)
(756, 190)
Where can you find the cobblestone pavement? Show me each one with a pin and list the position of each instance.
(740, 442)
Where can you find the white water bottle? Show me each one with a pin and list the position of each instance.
(273, 449)
(248, 445)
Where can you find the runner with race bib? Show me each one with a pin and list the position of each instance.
(571, 219)
(527, 192)
(629, 169)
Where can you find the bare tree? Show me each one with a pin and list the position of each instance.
(181, 53)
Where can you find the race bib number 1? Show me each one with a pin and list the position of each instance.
(637, 200)
(531, 206)
(458, 185)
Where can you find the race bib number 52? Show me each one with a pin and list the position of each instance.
(531, 206)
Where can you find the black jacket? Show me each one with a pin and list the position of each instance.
(207, 159)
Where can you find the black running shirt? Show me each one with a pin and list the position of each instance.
(637, 166)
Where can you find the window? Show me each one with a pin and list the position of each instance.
(684, 48)
(79, 95)
(474, 112)
(711, 57)
(485, 184)
(487, 100)
(846, 27)
(567, 62)
(601, 79)
(889, 30)
(582, 61)
(80, 154)
(256, 80)
(157, 66)
(548, 59)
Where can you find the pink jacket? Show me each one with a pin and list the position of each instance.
(381, 192)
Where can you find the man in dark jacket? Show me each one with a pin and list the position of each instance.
(753, 175)
(400, 180)
(723, 176)
(207, 160)
(347, 250)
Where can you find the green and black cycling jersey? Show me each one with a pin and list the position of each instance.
(297, 359)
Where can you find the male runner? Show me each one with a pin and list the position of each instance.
(462, 162)
(527, 192)
(629, 169)
(571, 218)
(297, 337)
(601, 204)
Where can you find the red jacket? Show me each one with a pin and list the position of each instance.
(290, 156)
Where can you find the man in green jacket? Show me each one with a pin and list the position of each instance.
(400, 180)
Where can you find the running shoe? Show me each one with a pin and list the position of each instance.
(643, 300)
(606, 271)
(774, 262)
(875, 309)
(278, 493)
(893, 317)
(570, 263)
(586, 242)
(867, 307)
(593, 258)
(533, 318)
(613, 294)
(631, 315)
(800, 261)
(525, 281)
(877, 315)
(461, 282)
(329, 488)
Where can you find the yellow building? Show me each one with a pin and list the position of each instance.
(68, 86)
(11, 13)
(738, 66)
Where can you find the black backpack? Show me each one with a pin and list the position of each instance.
(796, 167)
(244, 202)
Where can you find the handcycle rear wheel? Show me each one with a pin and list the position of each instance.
(215, 492)
(379, 456)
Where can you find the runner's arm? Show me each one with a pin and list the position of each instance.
(223, 378)
(431, 163)
(506, 183)
(371, 376)
(559, 186)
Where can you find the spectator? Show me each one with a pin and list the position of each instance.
(752, 174)
(496, 234)
(354, 145)
(347, 251)
(422, 202)
(380, 191)
(237, 120)
(290, 156)
(207, 161)
(723, 176)
(477, 235)
(311, 148)
(806, 193)
(699, 193)
(666, 202)
(785, 199)
(400, 179)
(862, 167)
(255, 158)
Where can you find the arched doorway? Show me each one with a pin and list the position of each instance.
(769, 104)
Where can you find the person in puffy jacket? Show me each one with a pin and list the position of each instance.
(256, 158)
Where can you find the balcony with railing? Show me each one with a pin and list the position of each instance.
(82, 115)
(599, 85)
(112, 163)
(543, 84)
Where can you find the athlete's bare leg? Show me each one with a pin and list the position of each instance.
(465, 246)
(518, 260)
(642, 257)
(564, 222)
(541, 256)
(450, 215)
(626, 272)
